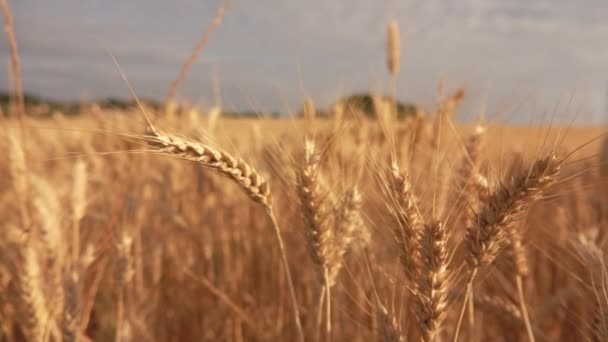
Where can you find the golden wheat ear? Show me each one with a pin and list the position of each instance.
(408, 223)
(432, 282)
(249, 179)
(489, 234)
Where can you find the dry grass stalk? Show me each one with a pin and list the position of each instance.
(15, 64)
(197, 50)
(432, 282)
(409, 222)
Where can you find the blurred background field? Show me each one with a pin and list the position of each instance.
(400, 207)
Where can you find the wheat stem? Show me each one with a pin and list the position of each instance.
(320, 313)
(197, 50)
(292, 292)
(524, 310)
(328, 305)
(471, 314)
(464, 303)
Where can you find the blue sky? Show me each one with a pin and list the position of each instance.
(532, 55)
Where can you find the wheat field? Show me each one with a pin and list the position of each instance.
(179, 224)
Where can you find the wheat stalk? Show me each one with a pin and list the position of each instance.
(320, 237)
(15, 64)
(240, 172)
(197, 50)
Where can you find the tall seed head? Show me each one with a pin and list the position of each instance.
(314, 209)
(393, 49)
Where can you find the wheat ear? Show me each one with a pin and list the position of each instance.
(432, 281)
(471, 191)
(240, 172)
(409, 222)
(36, 320)
(489, 234)
(393, 49)
(486, 238)
(348, 228)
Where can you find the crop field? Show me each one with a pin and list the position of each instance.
(176, 223)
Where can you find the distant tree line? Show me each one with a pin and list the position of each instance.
(361, 103)
(38, 106)
(365, 104)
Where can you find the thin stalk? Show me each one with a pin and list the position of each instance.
(392, 117)
(524, 311)
(471, 315)
(292, 292)
(320, 314)
(464, 304)
(328, 306)
(120, 315)
(15, 63)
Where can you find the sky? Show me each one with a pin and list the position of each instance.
(529, 60)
